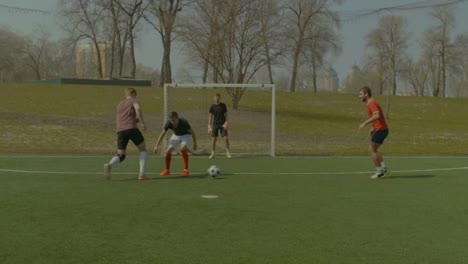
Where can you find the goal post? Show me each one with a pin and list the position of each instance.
(177, 98)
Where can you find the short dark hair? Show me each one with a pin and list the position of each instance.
(173, 115)
(367, 90)
(219, 95)
(131, 90)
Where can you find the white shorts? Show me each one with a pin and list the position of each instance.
(183, 140)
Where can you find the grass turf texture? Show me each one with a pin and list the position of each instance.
(282, 210)
(38, 118)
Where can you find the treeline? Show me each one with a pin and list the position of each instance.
(241, 41)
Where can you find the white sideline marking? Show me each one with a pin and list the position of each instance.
(239, 155)
(209, 196)
(244, 173)
(352, 172)
(68, 172)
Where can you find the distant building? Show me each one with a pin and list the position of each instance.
(352, 78)
(86, 64)
(329, 81)
(356, 78)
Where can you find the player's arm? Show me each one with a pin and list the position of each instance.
(375, 116)
(225, 125)
(161, 136)
(210, 121)
(139, 115)
(194, 137)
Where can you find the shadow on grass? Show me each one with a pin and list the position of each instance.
(423, 176)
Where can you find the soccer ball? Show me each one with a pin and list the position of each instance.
(214, 171)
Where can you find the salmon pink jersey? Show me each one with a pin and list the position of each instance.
(372, 107)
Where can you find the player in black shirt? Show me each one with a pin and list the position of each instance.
(218, 123)
(182, 135)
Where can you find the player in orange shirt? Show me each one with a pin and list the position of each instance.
(378, 132)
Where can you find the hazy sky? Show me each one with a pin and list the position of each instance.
(149, 50)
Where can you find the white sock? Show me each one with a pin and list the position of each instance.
(379, 169)
(115, 160)
(382, 165)
(143, 157)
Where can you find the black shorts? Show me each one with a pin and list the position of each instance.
(124, 136)
(378, 136)
(220, 128)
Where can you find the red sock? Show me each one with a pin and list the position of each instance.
(168, 160)
(185, 158)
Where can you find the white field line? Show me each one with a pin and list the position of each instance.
(239, 155)
(241, 173)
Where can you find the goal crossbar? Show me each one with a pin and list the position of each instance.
(228, 85)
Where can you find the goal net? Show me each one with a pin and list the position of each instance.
(251, 115)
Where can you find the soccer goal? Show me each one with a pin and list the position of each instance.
(251, 114)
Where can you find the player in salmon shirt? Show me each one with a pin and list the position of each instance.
(129, 114)
(378, 132)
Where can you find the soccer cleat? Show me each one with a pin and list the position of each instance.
(378, 175)
(228, 155)
(211, 156)
(164, 172)
(143, 177)
(185, 173)
(107, 171)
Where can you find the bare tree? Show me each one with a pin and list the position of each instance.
(416, 74)
(460, 62)
(162, 14)
(11, 55)
(201, 32)
(437, 47)
(322, 39)
(37, 50)
(118, 31)
(271, 33)
(134, 10)
(302, 15)
(388, 43)
(85, 21)
(232, 43)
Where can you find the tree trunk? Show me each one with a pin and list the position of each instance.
(112, 62)
(205, 71)
(292, 88)
(167, 58)
(314, 75)
(132, 51)
(98, 56)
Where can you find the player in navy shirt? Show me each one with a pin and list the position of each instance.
(183, 133)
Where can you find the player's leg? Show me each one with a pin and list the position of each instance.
(214, 138)
(376, 141)
(224, 133)
(374, 154)
(383, 135)
(139, 141)
(173, 142)
(183, 149)
(122, 142)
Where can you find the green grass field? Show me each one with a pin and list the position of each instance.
(59, 209)
(313, 204)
